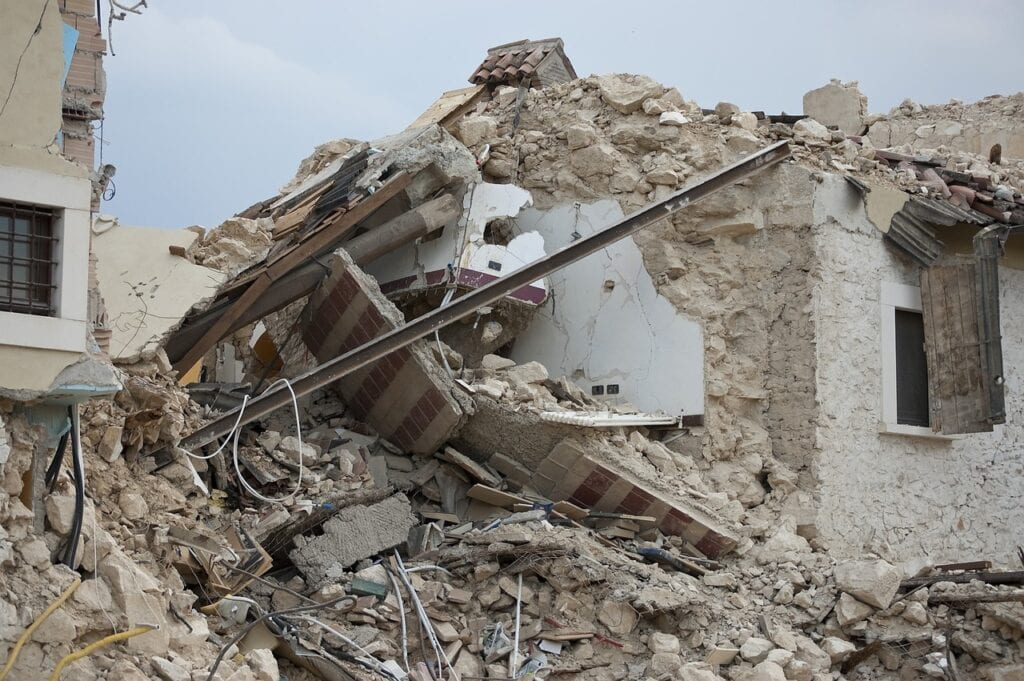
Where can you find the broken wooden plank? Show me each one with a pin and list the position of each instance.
(970, 565)
(1009, 577)
(475, 470)
(494, 497)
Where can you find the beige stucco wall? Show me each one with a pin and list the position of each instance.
(905, 497)
(33, 114)
(31, 369)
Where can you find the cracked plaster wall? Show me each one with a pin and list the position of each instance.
(605, 322)
(905, 497)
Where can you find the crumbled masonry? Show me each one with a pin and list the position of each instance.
(438, 519)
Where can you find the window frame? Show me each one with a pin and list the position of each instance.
(897, 297)
(68, 196)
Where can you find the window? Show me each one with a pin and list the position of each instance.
(911, 369)
(27, 264)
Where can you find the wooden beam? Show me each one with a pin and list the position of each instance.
(324, 238)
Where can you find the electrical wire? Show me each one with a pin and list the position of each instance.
(71, 548)
(236, 432)
(58, 459)
(93, 647)
(425, 622)
(280, 613)
(401, 611)
(375, 663)
(27, 634)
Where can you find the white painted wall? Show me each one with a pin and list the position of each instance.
(605, 322)
(905, 496)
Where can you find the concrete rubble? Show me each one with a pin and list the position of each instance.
(426, 517)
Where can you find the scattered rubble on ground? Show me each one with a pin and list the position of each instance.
(344, 540)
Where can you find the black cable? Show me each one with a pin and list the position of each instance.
(76, 457)
(58, 459)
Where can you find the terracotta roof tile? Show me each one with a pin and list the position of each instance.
(515, 61)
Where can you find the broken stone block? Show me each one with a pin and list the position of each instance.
(263, 664)
(476, 129)
(531, 372)
(269, 440)
(58, 628)
(660, 642)
(289, 446)
(745, 120)
(798, 670)
(123, 670)
(781, 657)
(811, 132)
(597, 159)
(850, 611)
(837, 648)
(60, 512)
(673, 118)
(838, 104)
(874, 582)
(756, 649)
(764, 671)
(355, 533)
(664, 664)
(168, 670)
(916, 613)
(697, 671)
(809, 652)
(34, 552)
(496, 362)
(726, 109)
(619, 617)
(110, 446)
(579, 136)
(93, 594)
(132, 505)
(626, 93)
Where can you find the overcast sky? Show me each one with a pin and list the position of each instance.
(211, 104)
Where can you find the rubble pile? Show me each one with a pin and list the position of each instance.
(541, 539)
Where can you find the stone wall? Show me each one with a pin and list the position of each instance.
(904, 497)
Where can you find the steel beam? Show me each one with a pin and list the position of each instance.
(486, 295)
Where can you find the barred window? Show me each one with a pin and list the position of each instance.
(27, 259)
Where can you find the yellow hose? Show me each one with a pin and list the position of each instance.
(35, 625)
(93, 647)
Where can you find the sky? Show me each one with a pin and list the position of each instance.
(212, 104)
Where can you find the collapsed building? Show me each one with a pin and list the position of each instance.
(394, 423)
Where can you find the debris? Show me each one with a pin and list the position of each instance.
(874, 582)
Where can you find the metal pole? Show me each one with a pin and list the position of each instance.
(485, 295)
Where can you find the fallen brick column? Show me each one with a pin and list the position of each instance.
(406, 396)
(569, 474)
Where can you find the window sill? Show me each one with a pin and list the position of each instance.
(43, 333)
(915, 431)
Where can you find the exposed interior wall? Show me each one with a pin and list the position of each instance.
(737, 262)
(605, 323)
(905, 497)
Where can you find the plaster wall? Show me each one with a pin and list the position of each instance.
(25, 372)
(905, 497)
(605, 322)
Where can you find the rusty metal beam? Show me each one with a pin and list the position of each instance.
(486, 295)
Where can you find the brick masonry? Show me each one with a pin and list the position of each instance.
(406, 396)
(569, 474)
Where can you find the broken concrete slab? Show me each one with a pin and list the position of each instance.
(355, 533)
(146, 289)
(838, 104)
(568, 473)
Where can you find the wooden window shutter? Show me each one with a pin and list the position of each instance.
(958, 342)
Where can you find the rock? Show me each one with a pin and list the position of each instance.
(784, 639)
(781, 657)
(874, 582)
(916, 613)
(745, 120)
(123, 670)
(784, 543)
(596, 159)
(34, 552)
(169, 671)
(58, 628)
(838, 104)
(811, 132)
(496, 363)
(673, 118)
(626, 92)
(809, 652)
(263, 664)
(657, 106)
(501, 168)
(664, 664)
(469, 665)
(837, 649)
(764, 671)
(269, 440)
(93, 594)
(756, 649)
(132, 505)
(619, 617)
(110, 446)
(726, 109)
(60, 511)
(663, 176)
(446, 632)
(476, 129)
(798, 670)
(531, 372)
(660, 642)
(720, 578)
(579, 136)
(850, 611)
(289, 446)
(697, 671)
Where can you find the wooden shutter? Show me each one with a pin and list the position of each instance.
(958, 384)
